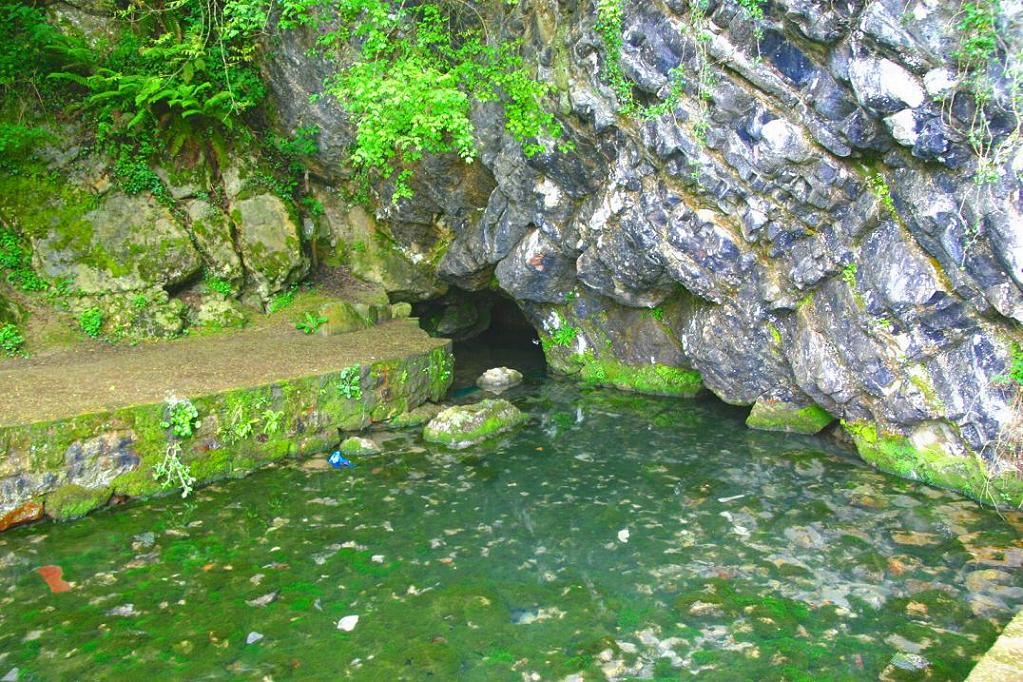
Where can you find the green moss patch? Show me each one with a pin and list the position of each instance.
(969, 475)
(73, 501)
(651, 379)
(776, 415)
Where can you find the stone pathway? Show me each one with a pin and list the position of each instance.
(66, 385)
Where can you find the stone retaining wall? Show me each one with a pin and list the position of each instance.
(66, 468)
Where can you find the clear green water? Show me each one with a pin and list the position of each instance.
(747, 556)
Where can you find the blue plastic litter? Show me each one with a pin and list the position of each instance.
(338, 461)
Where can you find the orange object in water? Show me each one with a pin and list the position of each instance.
(52, 576)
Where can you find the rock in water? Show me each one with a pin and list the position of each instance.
(358, 446)
(499, 379)
(464, 425)
(910, 662)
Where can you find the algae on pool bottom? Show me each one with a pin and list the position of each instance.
(614, 536)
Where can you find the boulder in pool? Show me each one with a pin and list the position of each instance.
(499, 379)
(464, 425)
(358, 446)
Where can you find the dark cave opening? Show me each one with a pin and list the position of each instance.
(488, 329)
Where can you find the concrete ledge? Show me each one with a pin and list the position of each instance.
(1004, 661)
(75, 442)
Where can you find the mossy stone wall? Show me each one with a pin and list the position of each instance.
(68, 467)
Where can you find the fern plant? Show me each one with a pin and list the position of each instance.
(184, 73)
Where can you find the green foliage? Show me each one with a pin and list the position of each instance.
(182, 418)
(132, 171)
(988, 37)
(668, 104)
(350, 384)
(242, 420)
(272, 421)
(302, 143)
(755, 10)
(878, 186)
(849, 275)
(281, 301)
(17, 143)
(11, 340)
(411, 84)
(978, 33)
(16, 262)
(310, 323)
(565, 335)
(32, 48)
(184, 71)
(239, 426)
(91, 322)
(609, 24)
(657, 314)
(217, 285)
(1016, 365)
(173, 471)
(610, 18)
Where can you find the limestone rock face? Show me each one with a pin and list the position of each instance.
(817, 239)
(127, 243)
(270, 241)
(212, 231)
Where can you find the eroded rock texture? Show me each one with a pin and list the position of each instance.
(820, 242)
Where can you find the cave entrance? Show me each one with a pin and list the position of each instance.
(489, 330)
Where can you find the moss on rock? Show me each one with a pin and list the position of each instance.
(777, 415)
(968, 474)
(464, 425)
(73, 501)
(356, 445)
(652, 379)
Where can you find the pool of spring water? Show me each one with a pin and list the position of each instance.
(614, 537)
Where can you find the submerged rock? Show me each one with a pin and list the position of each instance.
(499, 379)
(909, 662)
(465, 425)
